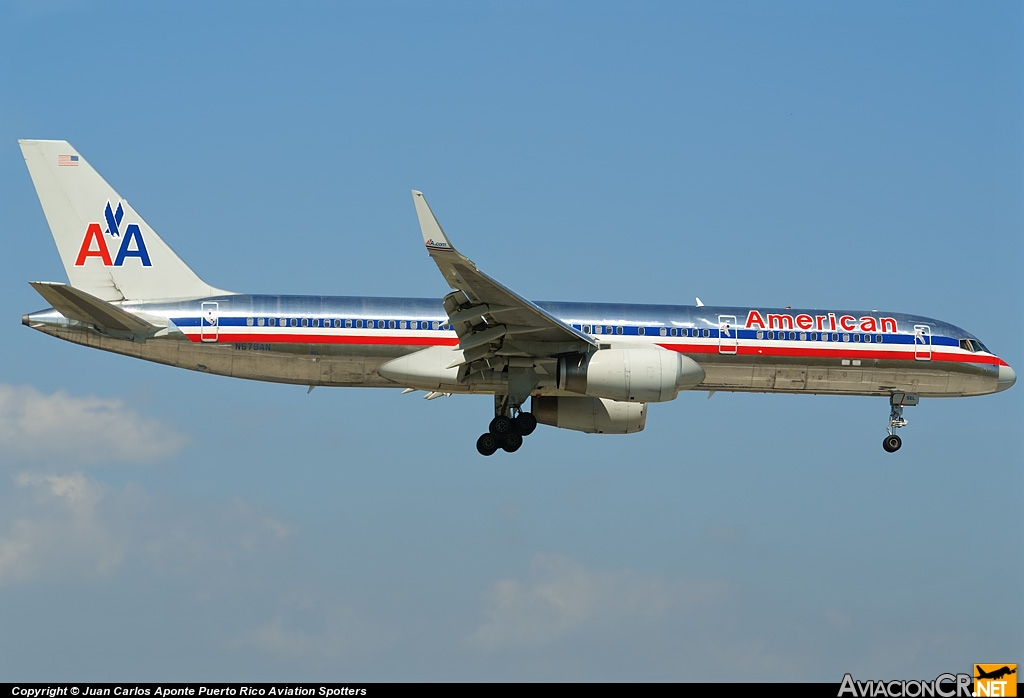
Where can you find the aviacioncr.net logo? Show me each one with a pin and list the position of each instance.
(94, 244)
(943, 686)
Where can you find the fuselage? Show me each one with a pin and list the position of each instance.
(343, 341)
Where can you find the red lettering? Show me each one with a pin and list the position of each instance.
(867, 324)
(754, 319)
(847, 322)
(889, 324)
(93, 233)
(804, 322)
(832, 321)
(821, 321)
(780, 322)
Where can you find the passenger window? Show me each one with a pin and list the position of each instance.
(846, 337)
(673, 332)
(835, 336)
(391, 324)
(856, 337)
(878, 338)
(707, 333)
(663, 331)
(436, 324)
(295, 322)
(586, 328)
(259, 322)
(348, 323)
(248, 321)
(305, 322)
(759, 335)
(640, 330)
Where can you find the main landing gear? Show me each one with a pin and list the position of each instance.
(897, 401)
(507, 429)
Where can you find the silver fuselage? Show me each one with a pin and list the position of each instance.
(342, 341)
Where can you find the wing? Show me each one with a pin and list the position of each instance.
(494, 324)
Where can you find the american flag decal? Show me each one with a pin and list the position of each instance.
(67, 161)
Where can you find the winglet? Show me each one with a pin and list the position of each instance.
(433, 236)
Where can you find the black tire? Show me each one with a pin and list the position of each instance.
(500, 426)
(486, 445)
(512, 442)
(525, 423)
(892, 443)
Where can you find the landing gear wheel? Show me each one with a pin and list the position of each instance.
(486, 445)
(512, 442)
(500, 426)
(525, 423)
(892, 443)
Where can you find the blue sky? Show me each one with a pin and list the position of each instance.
(163, 525)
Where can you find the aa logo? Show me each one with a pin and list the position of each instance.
(995, 680)
(95, 245)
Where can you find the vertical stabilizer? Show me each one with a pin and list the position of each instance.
(107, 249)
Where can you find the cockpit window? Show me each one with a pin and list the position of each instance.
(973, 345)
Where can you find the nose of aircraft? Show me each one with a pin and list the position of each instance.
(1007, 377)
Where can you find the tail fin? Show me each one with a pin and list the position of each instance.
(107, 249)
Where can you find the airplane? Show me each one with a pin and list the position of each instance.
(588, 367)
(996, 674)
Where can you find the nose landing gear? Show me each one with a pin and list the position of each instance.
(892, 443)
(897, 401)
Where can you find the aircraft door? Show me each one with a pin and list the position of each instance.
(728, 335)
(208, 326)
(922, 342)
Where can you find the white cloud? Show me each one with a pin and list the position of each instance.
(560, 596)
(71, 526)
(66, 431)
(63, 528)
(306, 627)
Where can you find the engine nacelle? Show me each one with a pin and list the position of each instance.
(636, 374)
(591, 415)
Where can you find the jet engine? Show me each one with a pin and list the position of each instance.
(591, 415)
(640, 374)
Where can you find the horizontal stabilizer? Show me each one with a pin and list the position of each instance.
(75, 304)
